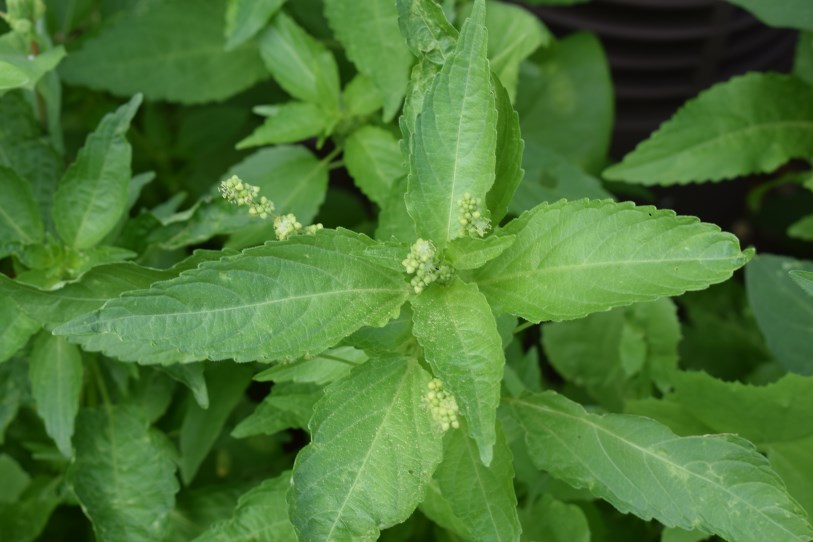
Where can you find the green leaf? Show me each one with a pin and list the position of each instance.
(20, 69)
(802, 228)
(574, 258)
(513, 34)
(261, 515)
(622, 354)
(92, 194)
(11, 76)
(15, 479)
(55, 371)
(226, 385)
(784, 314)
(287, 123)
(245, 18)
(473, 252)
(454, 144)
(793, 461)
(368, 461)
(554, 521)
(19, 216)
(565, 101)
(509, 151)
(172, 50)
(13, 389)
(789, 13)
(15, 327)
(750, 124)
(191, 376)
(123, 474)
(374, 160)
(476, 501)
(26, 518)
(361, 97)
(300, 64)
(803, 279)
(718, 484)
(427, 31)
(456, 328)
(369, 33)
(676, 534)
(287, 406)
(322, 369)
(803, 60)
(274, 315)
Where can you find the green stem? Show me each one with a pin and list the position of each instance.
(336, 358)
(523, 326)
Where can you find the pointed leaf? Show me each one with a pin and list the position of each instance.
(287, 406)
(454, 144)
(784, 313)
(300, 64)
(288, 308)
(369, 33)
(509, 155)
(123, 475)
(15, 327)
(803, 279)
(55, 372)
(750, 124)
(287, 123)
(554, 521)
(369, 461)
(20, 220)
(170, 50)
(456, 328)
(574, 258)
(92, 194)
(473, 252)
(715, 483)
(374, 160)
(244, 18)
(329, 366)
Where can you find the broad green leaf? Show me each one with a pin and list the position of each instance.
(565, 101)
(509, 151)
(300, 64)
(55, 371)
(172, 50)
(802, 228)
(272, 314)
(793, 461)
(198, 509)
(369, 460)
(92, 194)
(13, 390)
(322, 369)
(427, 31)
(803, 60)
(513, 34)
(15, 327)
(26, 518)
(11, 76)
(191, 376)
(473, 252)
(245, 18)
(226, 385)
(360, 97)
(261, 515)
(15, 479)
(123, 474)
(715, 483)
(369, 33)
(19, 215)
(676, 534)
(394, 337)
(394, 222)
(454, 144)
(554, 521)
(287, 123)
(476, 501)
(574, 258)
(19, 68)
(789, 13)
(420, 82)
(287, 406)
(783, 312)
(456, 328)
(626, 353)
(750, 124)
(803, 279)
(374, 160)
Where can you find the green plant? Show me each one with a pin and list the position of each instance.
(408, 350)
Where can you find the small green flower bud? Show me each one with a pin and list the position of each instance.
(442, 406)
(471, 217)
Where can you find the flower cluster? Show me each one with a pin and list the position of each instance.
(423, 261)
(442, 405)
(241, 193)
(471, 219)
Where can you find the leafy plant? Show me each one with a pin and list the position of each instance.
(397, 307)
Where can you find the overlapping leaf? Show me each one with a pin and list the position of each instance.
(244, 18)
(374, 160)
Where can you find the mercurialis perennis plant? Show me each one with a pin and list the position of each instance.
(398, 311)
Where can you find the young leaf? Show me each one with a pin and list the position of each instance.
(427, 31)
(509, 150)
(750, 124)
(373, 450)
(123, 475)
(574, 258)
(455, 326)
(476, 501)
(168, 51)
(226, 385)
(15, 327)
(19, 216)
(264, 303)
(717, 484)
(783, 312)
(787, 14)
(454, 144)
(287, 406)
(554, 521)
(300, 64)
(369, 33)
(374, 160)
(11, 76)
(802, 228)
(244, 18)
(55, 371)
(261, 515)
(473, 252)
(322, 369)
(19, 69)
(287, 123)
(92, 194)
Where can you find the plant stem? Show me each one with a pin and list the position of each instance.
(523, 326)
